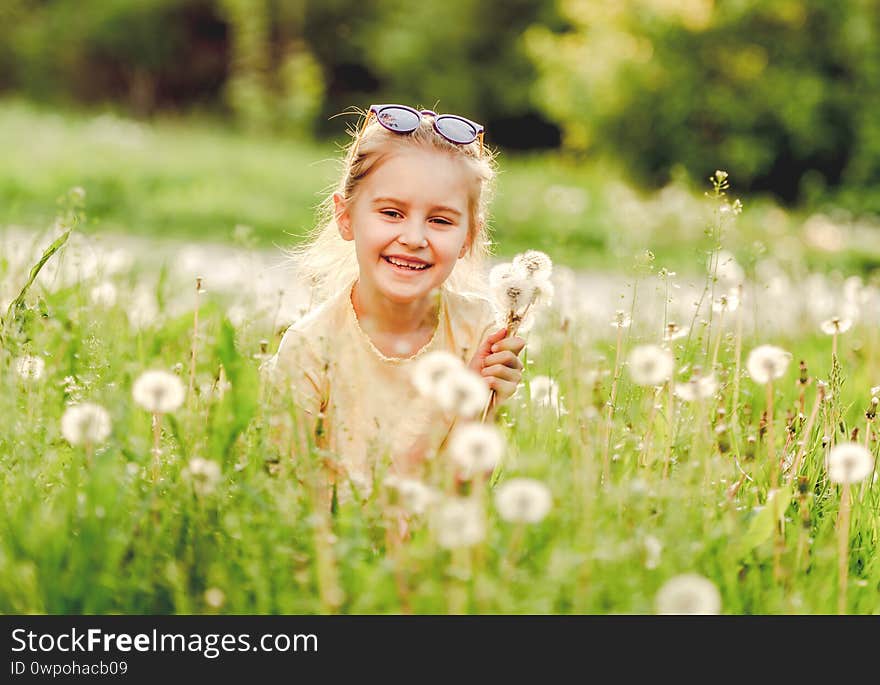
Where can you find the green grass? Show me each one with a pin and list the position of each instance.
(84, 532)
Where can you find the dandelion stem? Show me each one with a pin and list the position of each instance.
(805, 436)
(610, 421)
(156, 452)
(513, 322)
(771, 448)
(670, 420)
(646, 441)
(195, 336)
(734, 410)
(718, 339)
(843, 548)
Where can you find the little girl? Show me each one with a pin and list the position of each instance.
(397, 267)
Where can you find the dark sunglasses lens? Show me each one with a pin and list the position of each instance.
(398, 119)
(456, 130)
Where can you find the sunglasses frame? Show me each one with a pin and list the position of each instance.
(375, 110)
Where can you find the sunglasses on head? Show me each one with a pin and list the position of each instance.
(403, 119)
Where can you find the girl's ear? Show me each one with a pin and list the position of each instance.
(343, 219)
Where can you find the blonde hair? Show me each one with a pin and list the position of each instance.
(328, 263)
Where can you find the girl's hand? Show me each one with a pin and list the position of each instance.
(497, 361)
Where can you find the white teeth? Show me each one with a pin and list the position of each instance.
(407, 265)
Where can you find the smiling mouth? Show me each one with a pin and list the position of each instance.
(407, 267)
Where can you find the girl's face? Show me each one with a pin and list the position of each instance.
(413, 210)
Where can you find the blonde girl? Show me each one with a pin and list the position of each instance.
(397, 270)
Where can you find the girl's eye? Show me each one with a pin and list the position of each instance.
(392, 213)
(441, 220)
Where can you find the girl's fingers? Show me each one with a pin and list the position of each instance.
(503, 389)
(515, 344)
(506, 357)
(503, 372)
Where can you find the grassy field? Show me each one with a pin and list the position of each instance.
(211, 506)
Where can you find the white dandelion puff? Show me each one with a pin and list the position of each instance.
(728, 271)
(544, 392)
(653, 549)
(431, 371)
(204, 473)
(214, 597)
(697, 388)
(688, 594)
(767, 362)
(413, 494)
(621, 319)
(523, 500)
(103, 295)
(476, 448)
(463, 392)
(144, 309)
(159, 392)
(458, 522)
(30, 367)
(650, 365)
(502, 274)
(849, 462)
(674, 331)
(835, 325)
(85, 424)
(537, 265)
(543, 294)
(726, 303)
(516, 295)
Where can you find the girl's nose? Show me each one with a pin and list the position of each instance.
(413, 235)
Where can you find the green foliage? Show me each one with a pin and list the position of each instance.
(780, 91)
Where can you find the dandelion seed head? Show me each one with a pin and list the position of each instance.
(30, 367)
(414, 495)
(835, 325)
(85, 424)
(650, 365)
(688, 594)
(726, 303)
(204, 473)
(517, 295)
(728, 270)
(463, 392)
(103, 295)
(653, 549)
(544, 392)
(214, 597)
(849, 462)
(523, 500)
(697, 388)
(674, 331)
(159, 392)
(767, 362)
(537, 265)
(430, 371)
(476, 448)
(458, 522)
(621, 319)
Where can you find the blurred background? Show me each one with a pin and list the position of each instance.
(217, 119)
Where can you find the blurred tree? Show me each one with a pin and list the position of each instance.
(147, 53)
(780, 92)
